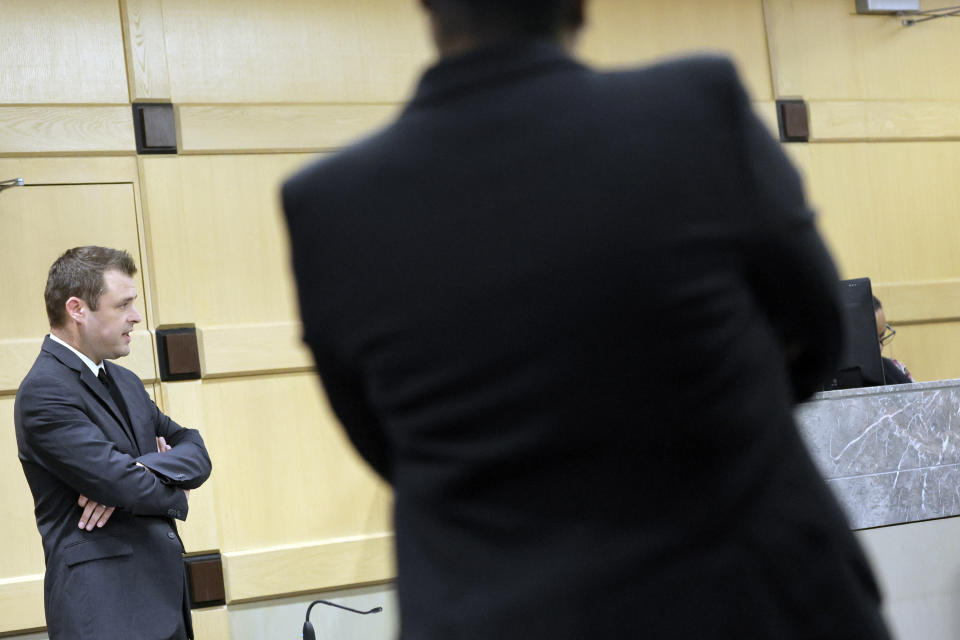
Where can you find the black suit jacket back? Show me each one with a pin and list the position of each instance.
(566, 313)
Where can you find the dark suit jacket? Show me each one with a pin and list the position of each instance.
(894, 372)
(125, 580)
(567, 313)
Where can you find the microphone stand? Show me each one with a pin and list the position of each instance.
(310, 634)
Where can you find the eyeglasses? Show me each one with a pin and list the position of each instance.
(887, 335)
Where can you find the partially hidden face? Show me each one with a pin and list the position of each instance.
(106, 332)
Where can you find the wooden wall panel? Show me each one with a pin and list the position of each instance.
(834, 121)
(888, 212)
(211, 624)
(24, 554)
(918, 302)
(218, 220)
(889, 209)
(17, 356)
(260, 128)
(253, 348)
(183, 402)
(284, 473)
(931, 351)
(59, 129)
(21, 603)
(626, 32)
(823, 50)
(40, 223)
(262, 573)
(57, 52)
(146, 50)
(87, 170)
(297, 51)
(220, 261)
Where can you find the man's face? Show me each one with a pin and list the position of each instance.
(105, 334)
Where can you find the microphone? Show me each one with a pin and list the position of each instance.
(310, 634)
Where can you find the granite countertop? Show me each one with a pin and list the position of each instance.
(890, 454)
(889, 388)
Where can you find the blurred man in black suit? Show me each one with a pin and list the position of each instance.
(567, 314)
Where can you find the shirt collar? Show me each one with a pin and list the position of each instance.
(87, 361)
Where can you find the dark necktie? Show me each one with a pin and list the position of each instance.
(118, 400)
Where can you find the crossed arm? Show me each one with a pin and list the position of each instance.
(96, 514)
(69, 445)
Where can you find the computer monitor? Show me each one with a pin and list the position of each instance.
(860, 364)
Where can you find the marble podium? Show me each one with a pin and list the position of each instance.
(890, 454)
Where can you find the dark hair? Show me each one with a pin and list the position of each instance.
(876, 304)
(79, 272)
(527, 17)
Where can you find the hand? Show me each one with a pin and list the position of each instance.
(162, 446)
(94, 513)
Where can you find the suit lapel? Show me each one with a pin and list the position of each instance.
(94, 385)
(128, 393)
(87, 377)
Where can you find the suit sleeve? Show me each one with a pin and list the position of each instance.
(71, 447)
(788, 266)
(342, 382)
(187, 465)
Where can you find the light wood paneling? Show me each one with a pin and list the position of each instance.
(57, 52)
(248, 51)
(889, 209)
(920, 301)
(294, 128)
(183, 402)
(17, 356)
(18, 528)
(167, 234)
(926, 316)
(878, 121)
(253, 348)
(217, 236)
(50, 171)
(55, 129)
(766, 111)
(627, 32)
(146, 51)
(206, 129)
(931, 351)
(211, 624)
(887, 212)
(823, 50)
(284, 473)
(39, 224)
(21, 603)
(264, 573)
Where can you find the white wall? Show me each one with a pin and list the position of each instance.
(918, 568)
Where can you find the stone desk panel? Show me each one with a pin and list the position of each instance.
(891, 454)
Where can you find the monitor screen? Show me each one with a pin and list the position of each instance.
(860, 364)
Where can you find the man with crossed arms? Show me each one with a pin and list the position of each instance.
(108, 471)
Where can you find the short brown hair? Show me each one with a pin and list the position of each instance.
(521, 17)
(79, 272)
